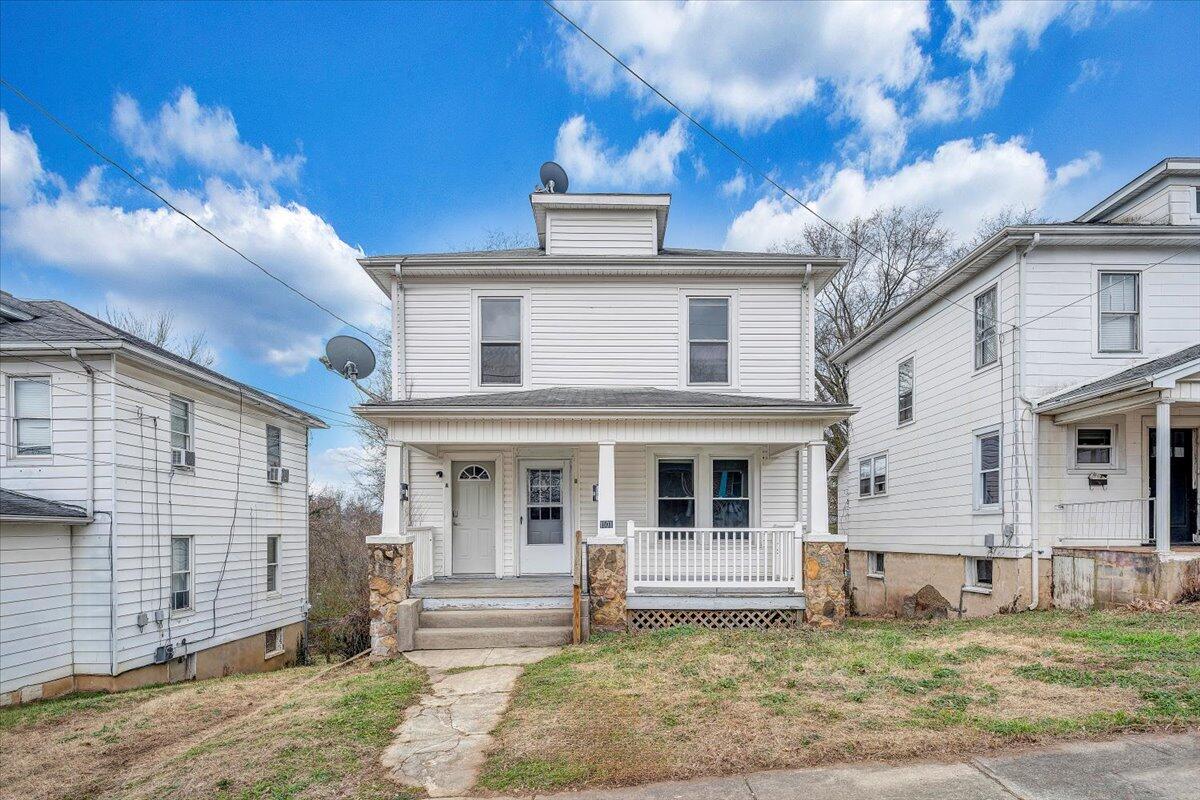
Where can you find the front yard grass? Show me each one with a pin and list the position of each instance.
(680, 703)
(208, 740)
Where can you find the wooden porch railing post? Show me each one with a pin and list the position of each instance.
(798, 558)
(630, 535)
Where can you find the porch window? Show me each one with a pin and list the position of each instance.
(872, 475)
(31, 416)
(979, 573)
(987, 340)
(676, 494)
(500, 341)
(987, 470)
(905, 391)
(731, 494)
(708, 340)
(1094, 447)
(1119, 312)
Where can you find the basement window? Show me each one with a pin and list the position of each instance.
(274, 643)
(979, 574)
(875, 565)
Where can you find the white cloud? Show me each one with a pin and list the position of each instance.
(153, 258)
(592, 163)
(1091, 70)
(334, 467)
(204, 136)
(20, 165)
(966, 180)
(735, 186)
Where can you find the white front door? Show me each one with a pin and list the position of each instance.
(545, 518)
(473, 510)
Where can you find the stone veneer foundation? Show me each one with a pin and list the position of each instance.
(389, 579)
(606, 586)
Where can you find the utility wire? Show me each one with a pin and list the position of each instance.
(108, 159)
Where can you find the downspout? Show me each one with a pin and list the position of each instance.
(1034, 509)
(112, 525)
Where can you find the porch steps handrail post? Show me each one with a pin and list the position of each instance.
(798, 556)
(630, 557)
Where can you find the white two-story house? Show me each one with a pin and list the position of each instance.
(153, 513)
(1006, 448)
(604, 383)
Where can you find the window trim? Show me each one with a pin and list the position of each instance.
(278, 553)
(971, 578)
(1138, 312)
(685, 340)
(977, 504)
(477, 298)
(702, 458)
(1114, 464)
(748, 497)
(912, 393)
(12, 453)
(267, 433)
(876, 564)
(190, 572)
(887, 484)
(975, 340)
(191, 421)
(658, 498)
(281, 645)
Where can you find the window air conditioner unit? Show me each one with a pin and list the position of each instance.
(183, 458)
(277, 475)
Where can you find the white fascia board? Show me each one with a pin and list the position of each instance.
(46, 520)
(833, 413)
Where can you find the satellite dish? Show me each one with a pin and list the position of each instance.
(553, 177)
(349, 357)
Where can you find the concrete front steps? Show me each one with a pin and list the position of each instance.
(462, 628)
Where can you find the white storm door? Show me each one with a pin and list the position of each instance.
(545, 518)
(473, 511)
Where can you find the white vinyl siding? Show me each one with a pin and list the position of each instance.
(35, 604)
(611, 233)
(904, 392)
(987, 337)
(1119, 312)
(32, 430)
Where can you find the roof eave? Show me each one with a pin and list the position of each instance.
(46, 519)
(557, 412)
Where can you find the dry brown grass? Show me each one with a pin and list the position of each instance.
(252, 736)
(685, 703)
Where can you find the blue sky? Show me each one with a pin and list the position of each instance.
(310, 133)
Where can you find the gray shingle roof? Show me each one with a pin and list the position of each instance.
(17, 504)
(56, 321)
(605, 397)
(1146, 370)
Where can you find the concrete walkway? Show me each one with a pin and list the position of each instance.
(1132, 768)
(443, 740)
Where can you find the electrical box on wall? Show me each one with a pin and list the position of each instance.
(1097, 479)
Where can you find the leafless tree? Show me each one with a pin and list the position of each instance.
(158, 328)
(1004, 218)
(337, 572)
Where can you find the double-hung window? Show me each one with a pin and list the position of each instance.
(274, 447)
(987, 470)
(181, 573)
(731, 494)
(677, 493)
(31, 416)
(1094, 447)
(872, 475)
(500, 341)
(904, 381)
(987, 338)
(181, 423)
(272, 563)
(1119, 299)
(708, 340)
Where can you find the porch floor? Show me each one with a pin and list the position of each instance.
(491, 587)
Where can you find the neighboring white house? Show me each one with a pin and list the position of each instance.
(1012, 406)
(602, 382)
(153, 513)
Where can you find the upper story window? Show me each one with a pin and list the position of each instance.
(987, 339)
(1119, 300)
(274, 447)
(31, 416)
(181, 423)
(904, 381)
(987, 470)
(500, 341)
(708, 340)
(872, 476)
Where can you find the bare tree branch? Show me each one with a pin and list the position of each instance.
(158, 328)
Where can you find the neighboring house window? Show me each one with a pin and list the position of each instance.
(1119, 312)
(979, 573)
(500, 341)
(31, 416)
(181, 573)
(987, 340)
(181, 423)
(272, 563)
(872, 476)
(731, 495)
(274, 447)
(905, 387)
(676, 493)
(273, 642)
(708, 340)
(1094, 447)
(987, 470)
(875, 565)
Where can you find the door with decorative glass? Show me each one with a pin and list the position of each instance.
(545, 518)
(473, 509)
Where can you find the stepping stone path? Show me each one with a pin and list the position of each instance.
(444, 739)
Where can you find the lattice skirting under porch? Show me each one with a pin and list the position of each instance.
(648, 619)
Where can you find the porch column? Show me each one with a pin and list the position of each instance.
(818, 490)
(393, 504)
(1162, 477)
(606, 490)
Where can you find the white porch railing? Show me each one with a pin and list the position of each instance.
(422, 553)
(714, 558)
(1106, 522)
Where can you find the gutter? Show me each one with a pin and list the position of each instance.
(49, 520)
(494, 412)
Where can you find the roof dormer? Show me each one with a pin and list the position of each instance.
(600, 224)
